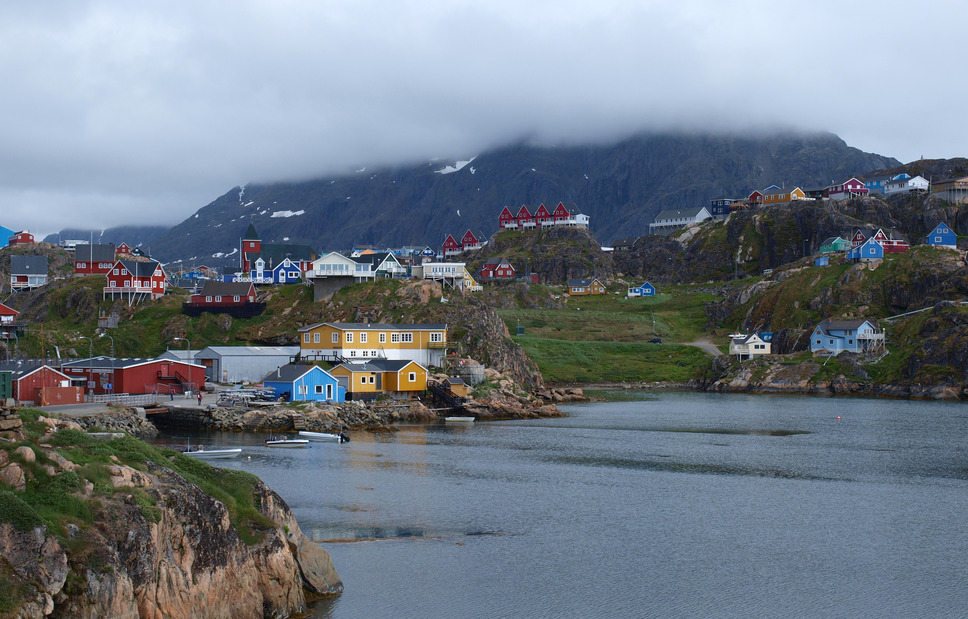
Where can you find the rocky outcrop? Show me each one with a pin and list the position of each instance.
(159, 546)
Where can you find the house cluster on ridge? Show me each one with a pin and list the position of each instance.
(565, 214)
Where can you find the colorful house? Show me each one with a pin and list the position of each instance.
(943, 236)
(237, 299)
(7, 314)
(644, 290)
(837, 336)
(401, 379)
(507, 220)
(252, 248)
(21, 238)
(670, 220)
(305, 383)
(542, 217)
(136, 281)
(93, 259)
(749, 346)
(497, 268)
(525, 218)
(719, 207)
(451, 247)
(5, 234)
(583, 287)
(783, 196)
(285, 272)
(890, 244)
(453, 274)
(334, 271)
(834, 244)
(424, 343)
(951, 189)
(27, 272)
(136, 376)
(848, 188)
(383, 264)
(821, 261)
(471, 241)
(870, 250)
(37, 384)
(567, 214)
(123, 250)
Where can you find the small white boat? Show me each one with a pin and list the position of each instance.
(459, 419)
(285, 441)
(339, 437)
(212, 454)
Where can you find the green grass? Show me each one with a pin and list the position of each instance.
(563, 361)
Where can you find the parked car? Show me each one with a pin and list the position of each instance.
(655, 340)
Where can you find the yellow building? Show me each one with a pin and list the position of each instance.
(582, 287)
(423, 343)
(781, 196)
(396, 378)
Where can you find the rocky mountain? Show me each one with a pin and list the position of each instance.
(622, 186)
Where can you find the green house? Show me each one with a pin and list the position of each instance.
(834, 244)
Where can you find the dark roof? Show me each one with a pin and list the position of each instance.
(683, 213)
(374, 259)
(289, 373)
(841, 325)
(571, 207)
(140, 268)
(379, 365)
(225, 289)
(497, 261)
(376, 326)
(573, 283)
(625, 242)
(251, 234)
(23, 265)
(19, 369)
(94, 253)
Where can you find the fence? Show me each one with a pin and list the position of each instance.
(124, 399)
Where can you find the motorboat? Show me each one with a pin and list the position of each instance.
(286, 441)
(212, 454)
(338, 437)
(459, 419)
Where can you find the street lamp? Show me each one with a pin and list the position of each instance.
(91, 348)
(111, 389)
(189, 351)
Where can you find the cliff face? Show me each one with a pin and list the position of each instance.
(159, 546)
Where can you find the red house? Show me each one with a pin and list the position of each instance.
(848, 188)
(525, 218)
(40, 384)
(123, 250)
(891, 245)
(237, 299)
(136, 281)
(507, 219)
(542, 217)
(451, 247)
(858, 239)
(93, 259)
(251, 245)
(470, 241)
(7, 314)
(755, 198)
(136, 376)
(497, 268)
(21, 238)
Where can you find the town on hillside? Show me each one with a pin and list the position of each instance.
(340, 361)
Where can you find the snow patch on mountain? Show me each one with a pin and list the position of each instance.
(450, 169)
(287, 213)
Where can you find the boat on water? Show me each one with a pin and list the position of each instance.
(286, 441)
(212, 454)
(459, 419)
(338, 437)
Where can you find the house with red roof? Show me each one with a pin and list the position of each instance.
(451, 246)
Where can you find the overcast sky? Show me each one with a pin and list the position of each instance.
(143, 112)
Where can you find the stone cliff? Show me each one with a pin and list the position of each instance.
(155, 544)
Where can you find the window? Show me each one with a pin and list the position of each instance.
(372, 379)
(362, 338)
(115, 271)
(113, 283)
(336, 338)
(236, 298)
(362, 380)
(218, 299)
(306, 337)
(395, 337)
(329, 392)
(436, 337)
(319, 390)
(366, 353)
(406, 337)
(383, 338)
(82, 265)
(412, 377)
(123, 272)
(315, 338)
(208, 299)
(349, 337)
(303, 389)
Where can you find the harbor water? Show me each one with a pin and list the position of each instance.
(663, 505)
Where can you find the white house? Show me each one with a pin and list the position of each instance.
(673, 219)
(905, 185)
(749, 346)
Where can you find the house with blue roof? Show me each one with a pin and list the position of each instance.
(644, 290)
(305, 383)
(943, 236)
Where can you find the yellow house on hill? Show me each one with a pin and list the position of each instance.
(424, 343)
(396, 378)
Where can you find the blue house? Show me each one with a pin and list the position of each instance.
(836, 336)
(821, 261)
(285, 272)
(305, 383)
(5, 234)
(870, 250)
(943, 236)
(645, 290)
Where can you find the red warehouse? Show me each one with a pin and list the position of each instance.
(136, 376)
(30, 377)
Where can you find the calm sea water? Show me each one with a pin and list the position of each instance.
(672, 505)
